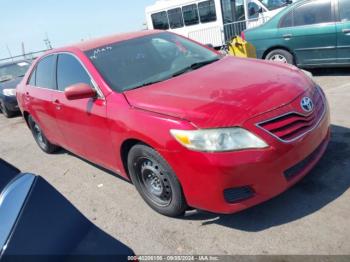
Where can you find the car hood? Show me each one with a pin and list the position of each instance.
(11, 84)
(225, 93)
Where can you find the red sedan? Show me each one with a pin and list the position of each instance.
(188, 127)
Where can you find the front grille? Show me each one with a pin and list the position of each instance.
(293, 125)
(234, 195)
(298, 168)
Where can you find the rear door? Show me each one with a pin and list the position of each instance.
(38, 97)
(83, 122)
(343, 32)
(313, 36)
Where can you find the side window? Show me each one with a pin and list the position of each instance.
(207, 11)
(253, 10)
(286, 20)
(344, 10)
(175, 18)
(31, 81)
(160, 21)
(190, 14)
(232, 11)
(45, 73)
(70, 72)
(314, 12)
(227, 12)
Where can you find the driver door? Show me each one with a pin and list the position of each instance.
(313, 36)
(83, 122)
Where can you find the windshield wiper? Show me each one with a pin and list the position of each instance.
(144, 84)
(194, 66)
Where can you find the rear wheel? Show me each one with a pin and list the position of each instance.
(281, 56)
(7, 113)
(40, 138)
(155, 181)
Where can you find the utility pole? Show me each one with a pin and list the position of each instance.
(47, 42)
(23, 51)
(8, 49)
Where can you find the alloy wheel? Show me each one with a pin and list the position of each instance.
(279, 58)
(39, 135)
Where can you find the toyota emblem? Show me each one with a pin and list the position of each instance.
(306, 104)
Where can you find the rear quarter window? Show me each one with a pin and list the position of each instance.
(31, 80)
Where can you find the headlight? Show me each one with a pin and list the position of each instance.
(309, 75)
(9, 92)
(218, 140)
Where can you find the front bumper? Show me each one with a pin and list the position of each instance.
(10, 102)
(267, 172)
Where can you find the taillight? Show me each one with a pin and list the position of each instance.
(243, 35)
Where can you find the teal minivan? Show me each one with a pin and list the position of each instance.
(309, 33)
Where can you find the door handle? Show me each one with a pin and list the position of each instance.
(287, 36)
(26, 96)
(57, 103)
(346, 31)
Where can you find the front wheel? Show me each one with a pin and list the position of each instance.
(40, 138)
(155, 181)
(281, 56)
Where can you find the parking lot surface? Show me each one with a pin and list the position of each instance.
(311, 218)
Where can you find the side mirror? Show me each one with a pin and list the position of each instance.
(79, 91)
(209, 46)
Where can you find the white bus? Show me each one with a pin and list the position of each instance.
(211, 21)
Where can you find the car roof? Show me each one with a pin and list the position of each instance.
(15, 62)
(95, 43)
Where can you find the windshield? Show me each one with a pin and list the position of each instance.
(146, 60)
(11, 71)
(273, 4)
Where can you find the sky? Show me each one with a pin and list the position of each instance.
(65, 21)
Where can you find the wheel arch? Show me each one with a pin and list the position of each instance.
(267, 51)
(125, 149)
(26, 116)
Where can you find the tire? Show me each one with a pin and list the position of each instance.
(7, 113)
(40, 138)
(280, 55)
(155, 181)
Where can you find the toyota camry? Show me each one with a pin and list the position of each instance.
(188, 126)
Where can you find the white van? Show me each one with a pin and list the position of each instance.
(211, 21)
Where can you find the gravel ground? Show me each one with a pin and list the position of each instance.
(310, 218)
